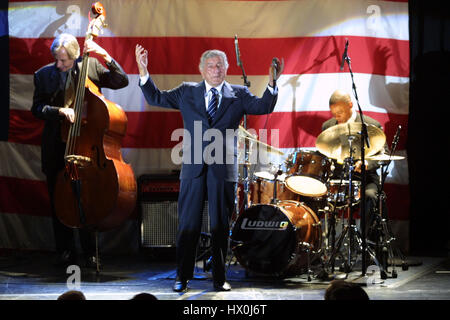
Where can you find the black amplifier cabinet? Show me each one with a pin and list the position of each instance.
(158, 201)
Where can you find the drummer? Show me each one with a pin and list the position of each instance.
(341, 108)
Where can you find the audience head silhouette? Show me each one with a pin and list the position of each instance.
(144, 296)
(343, 290)
(72, 295)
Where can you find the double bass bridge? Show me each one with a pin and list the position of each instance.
(79, 161)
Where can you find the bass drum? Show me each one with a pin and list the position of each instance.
(275, 239)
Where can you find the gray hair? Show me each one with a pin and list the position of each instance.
(68, 42)
(212, 53)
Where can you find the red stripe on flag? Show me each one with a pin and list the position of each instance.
(302, 55)
(159, 127)
(24, 127)
(21, 196)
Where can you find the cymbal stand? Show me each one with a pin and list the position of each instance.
(330, 230)
(379, 231)
(384, 237)
(331, 225)
(275, 185)
(350, 234)
(365, 140)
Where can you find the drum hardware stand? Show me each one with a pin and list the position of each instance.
(383, 234)
(350, 231)
(275, 185)
(206, 256)
(330, 230)
(306, 247)
(350, 228)
(383, 239)
(325, 257)
(97, 259)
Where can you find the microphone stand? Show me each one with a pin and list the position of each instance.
(365, 139)
(246, 147)
(246, 156)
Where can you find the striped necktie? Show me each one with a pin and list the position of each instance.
(212, 105)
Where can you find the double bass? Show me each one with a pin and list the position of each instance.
(97, 189)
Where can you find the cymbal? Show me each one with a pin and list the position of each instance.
(385, 157)
(334, 142)
(244, 133)
(268, 146)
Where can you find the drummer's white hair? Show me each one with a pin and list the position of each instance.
(212, 53)
(340, 96)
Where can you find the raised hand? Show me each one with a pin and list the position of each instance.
(141, 60)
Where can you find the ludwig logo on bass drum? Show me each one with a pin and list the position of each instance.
(264, 225)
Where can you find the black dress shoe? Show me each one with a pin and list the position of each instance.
(222, 287)
(180, 285)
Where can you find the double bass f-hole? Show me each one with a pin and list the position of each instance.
(100, 164)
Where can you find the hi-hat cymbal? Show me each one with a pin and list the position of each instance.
(334, 142)
(385, 157)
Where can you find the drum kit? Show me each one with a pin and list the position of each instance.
(286, 218)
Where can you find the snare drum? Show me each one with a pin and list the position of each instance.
(338, 191)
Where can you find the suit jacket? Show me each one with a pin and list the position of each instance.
(48, 92)
(189, 98)
(372, 166)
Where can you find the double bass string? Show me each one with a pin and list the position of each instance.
(75, 128)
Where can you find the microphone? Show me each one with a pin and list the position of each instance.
(275, 65)
(274, 68)
(238, 55)
(344, 55)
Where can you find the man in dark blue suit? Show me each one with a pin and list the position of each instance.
(211, 110)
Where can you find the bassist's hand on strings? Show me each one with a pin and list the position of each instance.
(68, 113)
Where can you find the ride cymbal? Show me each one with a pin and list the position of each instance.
(335, 141)
(385, 157)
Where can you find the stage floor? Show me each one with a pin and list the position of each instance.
(31, 276)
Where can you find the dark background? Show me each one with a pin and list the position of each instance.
(428, 144)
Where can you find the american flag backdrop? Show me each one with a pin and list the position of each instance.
(309, 34)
